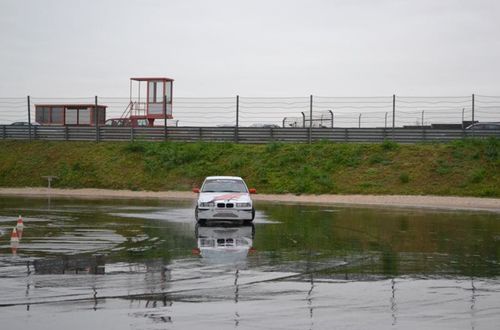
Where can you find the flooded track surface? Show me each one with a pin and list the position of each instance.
(148, 265)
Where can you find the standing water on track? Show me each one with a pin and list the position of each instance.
(121, 264)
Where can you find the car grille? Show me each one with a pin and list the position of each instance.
(225, 205)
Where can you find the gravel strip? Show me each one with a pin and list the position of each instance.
(432, 202)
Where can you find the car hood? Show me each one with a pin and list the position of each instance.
(226, 197)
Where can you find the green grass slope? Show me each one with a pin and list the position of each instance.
(461, 168)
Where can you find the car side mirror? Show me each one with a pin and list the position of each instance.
(252, 190)
(196, 190)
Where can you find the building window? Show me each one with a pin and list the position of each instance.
(168, 91)
(84, 116)
(42, 115)
(152, 92)
(155, 92)
(71, 116)
(57, 115)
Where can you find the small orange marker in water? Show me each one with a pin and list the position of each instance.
(13, 236)
(20, 223)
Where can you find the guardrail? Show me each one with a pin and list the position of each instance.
(240, 135)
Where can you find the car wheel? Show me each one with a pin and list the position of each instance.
(253, 213)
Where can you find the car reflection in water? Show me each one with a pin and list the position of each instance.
(220, 242)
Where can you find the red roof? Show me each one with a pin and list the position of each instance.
(152, 79)
(73, 105)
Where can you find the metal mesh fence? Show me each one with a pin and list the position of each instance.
(13, 109)
(364, 112)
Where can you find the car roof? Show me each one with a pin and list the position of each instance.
(223, 177)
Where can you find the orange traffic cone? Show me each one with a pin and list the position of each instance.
(13, 236)
(20, 224)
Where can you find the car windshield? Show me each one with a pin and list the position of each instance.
(224, 185)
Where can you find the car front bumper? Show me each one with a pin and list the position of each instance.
(224, 214)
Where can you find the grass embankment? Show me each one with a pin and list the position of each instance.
(462, 168)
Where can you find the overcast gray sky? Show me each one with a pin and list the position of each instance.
(252, 48)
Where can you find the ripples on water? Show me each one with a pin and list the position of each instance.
(147, 265)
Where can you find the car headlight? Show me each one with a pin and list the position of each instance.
(243, 204)
(207, 204)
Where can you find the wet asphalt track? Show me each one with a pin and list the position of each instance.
(135, 265)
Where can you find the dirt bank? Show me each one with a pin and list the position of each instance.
(435, 202)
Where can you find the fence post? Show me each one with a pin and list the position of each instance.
(359, 121)
(393, 114)
(385, 126)
(473, 103)
(423, 128)
(331, 113)
(463, 126)
(310, 118)
(283, 122)
(303, 119)
(96, 122)
(29, 117)
(165, 117)
(237, 118)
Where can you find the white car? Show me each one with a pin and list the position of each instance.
(224, 198)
